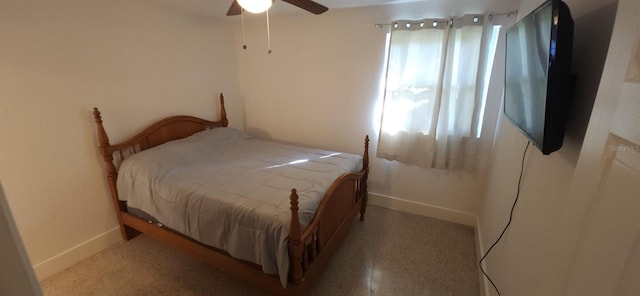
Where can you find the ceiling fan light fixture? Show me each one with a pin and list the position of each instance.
(255, 6)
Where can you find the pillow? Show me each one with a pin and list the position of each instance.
(217, 135)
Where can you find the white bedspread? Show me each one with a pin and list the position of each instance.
(230, 191)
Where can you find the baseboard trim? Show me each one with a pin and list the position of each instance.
(483, 281)
(440, 213)
(72, 256)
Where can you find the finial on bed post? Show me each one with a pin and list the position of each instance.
(363, 184)
(365, 156)
(102, 134)
(223, 112)
(104, 143)
(295, 244)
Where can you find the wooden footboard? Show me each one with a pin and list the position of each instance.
(309, 248)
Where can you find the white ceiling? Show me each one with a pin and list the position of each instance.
(218, 8)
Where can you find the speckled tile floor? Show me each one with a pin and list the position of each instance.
(391, 253)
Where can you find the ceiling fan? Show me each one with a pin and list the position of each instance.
(308, 5)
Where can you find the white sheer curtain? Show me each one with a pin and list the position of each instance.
(434, 93)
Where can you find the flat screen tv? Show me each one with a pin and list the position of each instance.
(538, 80)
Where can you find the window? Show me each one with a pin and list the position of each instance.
(435, 91)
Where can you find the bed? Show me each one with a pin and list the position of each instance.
(309, 196)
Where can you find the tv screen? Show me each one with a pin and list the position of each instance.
(538, 82)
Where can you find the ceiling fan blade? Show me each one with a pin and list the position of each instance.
(234, 9)
(308, 5)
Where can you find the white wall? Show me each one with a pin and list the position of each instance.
(321, 87)
(137, 62)
(520, 264)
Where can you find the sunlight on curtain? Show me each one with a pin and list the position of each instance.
(434, 94)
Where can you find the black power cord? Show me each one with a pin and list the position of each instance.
(508, 223)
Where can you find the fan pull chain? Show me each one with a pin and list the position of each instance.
(268, 33)
(244, 42)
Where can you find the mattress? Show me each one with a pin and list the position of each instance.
(230, 191)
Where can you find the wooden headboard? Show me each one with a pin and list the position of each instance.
(168, 129)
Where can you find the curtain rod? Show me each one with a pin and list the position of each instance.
(508, 14)
(435, 22)
(491, 15)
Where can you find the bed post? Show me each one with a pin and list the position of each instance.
(127, 233)
(223, 112)
(363, 184)
(295, 244)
